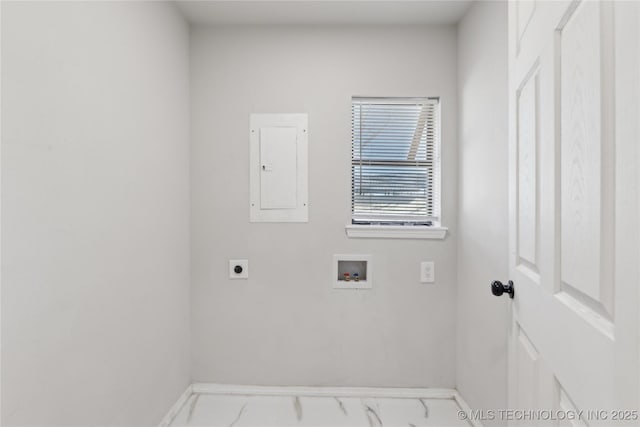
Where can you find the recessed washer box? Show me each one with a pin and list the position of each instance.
(346, 267)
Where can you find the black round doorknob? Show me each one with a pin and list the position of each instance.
(237, 269)
(497, 288)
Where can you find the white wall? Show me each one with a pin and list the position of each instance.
(286, 325)
(482, 209)
(95, 199)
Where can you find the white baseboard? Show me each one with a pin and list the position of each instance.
(466, 409)
(175, 409)
(409, 393)
(369, 392)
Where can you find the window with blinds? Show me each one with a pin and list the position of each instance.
(395, 161)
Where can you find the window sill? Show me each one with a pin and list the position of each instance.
(395, 232)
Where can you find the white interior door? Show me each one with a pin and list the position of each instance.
(574, 233)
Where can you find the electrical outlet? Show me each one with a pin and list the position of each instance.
(238, 268)
(427, 272)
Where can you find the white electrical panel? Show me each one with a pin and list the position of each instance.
(278, 168)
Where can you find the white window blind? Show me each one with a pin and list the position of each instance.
(395, 161)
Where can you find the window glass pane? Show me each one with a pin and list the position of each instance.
(394, 160)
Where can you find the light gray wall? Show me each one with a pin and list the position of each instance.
(482, 209)
(286, 325)
(95, 200)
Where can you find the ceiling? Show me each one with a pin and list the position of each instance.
(216, 12)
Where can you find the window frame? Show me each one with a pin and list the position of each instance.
(411, 228)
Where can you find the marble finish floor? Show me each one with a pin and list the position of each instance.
(215, 410)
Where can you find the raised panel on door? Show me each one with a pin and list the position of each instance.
(528, 373)
(585, 145)
(535, 388)
(527, 176)
(572, 416)
(525, 11)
